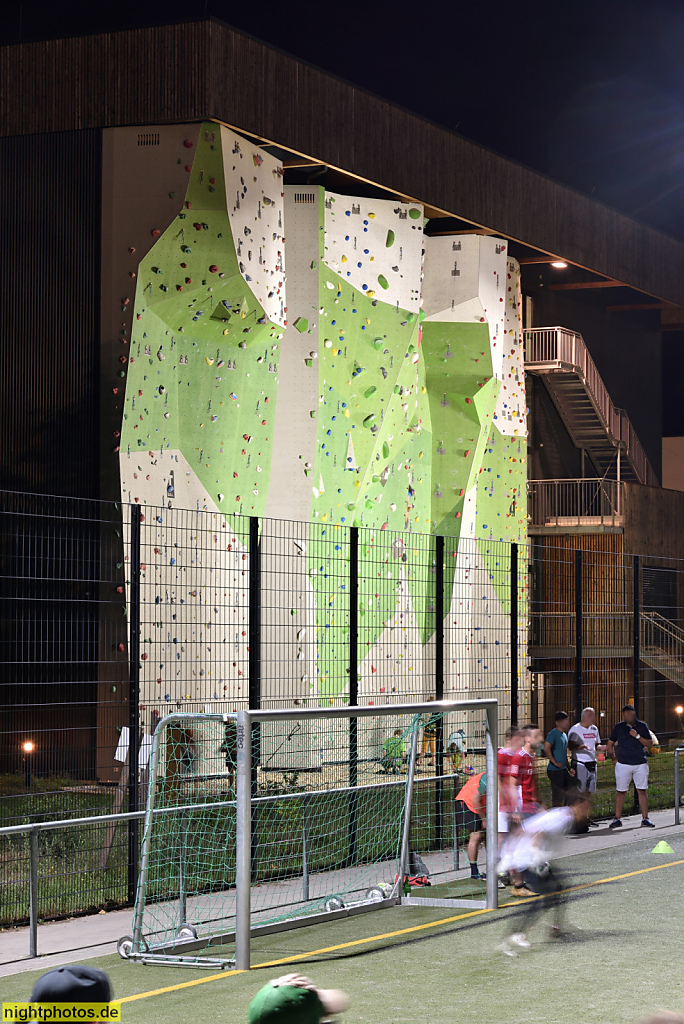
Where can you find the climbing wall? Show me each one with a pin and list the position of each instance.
(380, 387)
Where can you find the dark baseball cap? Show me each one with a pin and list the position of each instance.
(72, 983)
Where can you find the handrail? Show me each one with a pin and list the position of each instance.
(545, 345)
(562, 501)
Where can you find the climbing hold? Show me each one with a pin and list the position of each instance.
(390, 238)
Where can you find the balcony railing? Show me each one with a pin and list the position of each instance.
(546, 347)
(585, 502)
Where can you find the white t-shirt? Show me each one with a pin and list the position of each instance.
(534, 843)
(589, 736)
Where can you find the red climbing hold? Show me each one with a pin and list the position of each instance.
(213, 269)
(156, 232)
(188, 144)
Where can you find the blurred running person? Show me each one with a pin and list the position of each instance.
(527, 801)
(556, 750)
(588, 739)
(523, 771)
(632, 739)
(530, 853)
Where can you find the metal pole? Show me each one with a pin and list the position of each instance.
(514, 633)
(182, 894)
(676, 785)
(637, 635)
(305, 850)
(147, 839)
(134, 702)
(456, 853)
(492, 808)
(243, 841)
(408, 807)
(439, 689)
(353, 689)
(579, 673)
(33, 893)
(254, 630)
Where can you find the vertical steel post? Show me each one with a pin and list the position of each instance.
(134, 701)
(33, 893)
(182, 850)
(243, 841)
(439, 689)
(305, 849)
(254, 632)
(514, 633)
(492, 807)
(147, 842)
(579, 669)
(456, 850)
(676, 785)
(353, 690)
(636, 569)
(408, 808)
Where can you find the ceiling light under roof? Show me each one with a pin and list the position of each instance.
(559, 264)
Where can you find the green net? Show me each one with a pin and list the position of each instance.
(329, 800)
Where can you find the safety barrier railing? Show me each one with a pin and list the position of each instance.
(576, 502)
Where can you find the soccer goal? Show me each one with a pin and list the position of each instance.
(262, 821)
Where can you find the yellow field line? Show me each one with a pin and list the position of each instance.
(386, 935)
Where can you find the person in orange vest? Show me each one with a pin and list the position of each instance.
(471, 806)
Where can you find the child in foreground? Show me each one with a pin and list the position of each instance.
(294, 999)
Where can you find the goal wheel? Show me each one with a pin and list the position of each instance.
(375, 893)
(186, 931)
(124, 946)
(335, 903)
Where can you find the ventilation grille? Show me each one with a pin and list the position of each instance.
(148, 139)
(305, 197)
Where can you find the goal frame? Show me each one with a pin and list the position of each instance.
(175, 954)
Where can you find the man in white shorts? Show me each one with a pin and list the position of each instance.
(586, 736)
(632, 738)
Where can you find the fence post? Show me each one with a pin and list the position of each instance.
(243, 841)
(134, 702)
(439, 688)
(637, 635)
(353, 689)
(514, 633)
(676, 784)
(491, 761)
(33, 893)
(254, 661)
(579, 672)
(405, 853)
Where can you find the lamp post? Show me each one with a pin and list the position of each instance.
(679, 711)
(28, 747)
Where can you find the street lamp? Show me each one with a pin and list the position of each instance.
(28, 747)
(679, 710)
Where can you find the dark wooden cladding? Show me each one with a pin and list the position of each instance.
(208, 70)
(50, 198)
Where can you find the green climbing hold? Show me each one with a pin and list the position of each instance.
(414, 214)
(301, 324)
(390, 238)
(385, 450)
(370, 391)
(411, 317)
(369, 420)
(378, 343)
(383, 282)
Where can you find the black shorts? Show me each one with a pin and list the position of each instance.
(467, 819)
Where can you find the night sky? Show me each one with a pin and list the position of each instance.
(591, 93)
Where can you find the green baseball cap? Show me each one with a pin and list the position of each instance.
(294, 999)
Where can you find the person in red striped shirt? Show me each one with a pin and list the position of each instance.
(523, 770)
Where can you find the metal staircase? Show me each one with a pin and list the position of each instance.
(662, 646)
(561, 359)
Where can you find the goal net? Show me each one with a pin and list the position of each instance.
(266, 820)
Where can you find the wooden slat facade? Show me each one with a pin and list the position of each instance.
(205, 69)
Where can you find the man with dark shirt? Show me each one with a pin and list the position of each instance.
(632, 739)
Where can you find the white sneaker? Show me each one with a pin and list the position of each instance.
(520, 939)
(506, 948)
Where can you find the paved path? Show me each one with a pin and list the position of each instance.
(85, 938)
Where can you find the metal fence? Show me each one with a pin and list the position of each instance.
(111, 617)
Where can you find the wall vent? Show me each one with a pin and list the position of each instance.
(305, 197)
(148, 139)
